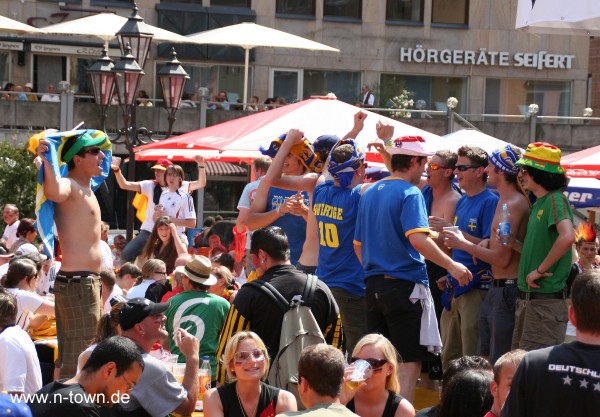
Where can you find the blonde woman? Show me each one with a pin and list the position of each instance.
(245, 395)
(379, 395)
(153, 270)
(225, 284)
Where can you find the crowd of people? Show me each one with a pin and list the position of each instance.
(26, 92)
(401, 276)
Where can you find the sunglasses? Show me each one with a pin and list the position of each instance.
(435, 167)
(376, 364)
(463, 168)
(95, 150)
(243, 355)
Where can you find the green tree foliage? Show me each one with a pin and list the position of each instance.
(17, 178)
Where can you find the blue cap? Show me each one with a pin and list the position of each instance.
(325, 143)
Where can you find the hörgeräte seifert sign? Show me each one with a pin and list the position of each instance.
(539, 60)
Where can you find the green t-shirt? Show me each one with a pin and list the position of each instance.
(545, 214)
(203, 315)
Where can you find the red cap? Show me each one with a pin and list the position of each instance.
(162, 164)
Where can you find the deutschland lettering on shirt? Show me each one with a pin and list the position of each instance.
(574, 369)
(326, 210)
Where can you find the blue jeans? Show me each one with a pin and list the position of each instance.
(135, 246)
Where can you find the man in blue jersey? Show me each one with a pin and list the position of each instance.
(284, 208)
(474, 215)
(333, 217)
(391, 240)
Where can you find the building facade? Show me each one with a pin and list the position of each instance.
(433, 49)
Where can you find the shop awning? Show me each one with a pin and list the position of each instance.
(219, 168)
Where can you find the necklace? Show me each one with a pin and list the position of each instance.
(253, 414)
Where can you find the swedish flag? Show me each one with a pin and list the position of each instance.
(44, 208)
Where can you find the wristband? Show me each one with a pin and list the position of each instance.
(538, 271)
(200, 166)
(116, 170)
(278, 211)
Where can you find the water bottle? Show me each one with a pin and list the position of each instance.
(504, 226)
(204, 377)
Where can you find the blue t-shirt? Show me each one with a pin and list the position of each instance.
(474, 216)
(293, 226)
(389, 212)
(336, 209)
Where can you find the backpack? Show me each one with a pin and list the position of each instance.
(298, 330)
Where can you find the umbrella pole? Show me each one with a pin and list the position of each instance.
(246, 63)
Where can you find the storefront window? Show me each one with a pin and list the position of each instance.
(229, 78)
(514, 97)
(344, 84)
(404, 11)
(4, 73)
(450, 12)
(348, 9)
(296, 7)
(434, 91)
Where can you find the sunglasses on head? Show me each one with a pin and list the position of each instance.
(463, 168)
(244, 355)
(94, 150)
(435, 167)
(376, 364)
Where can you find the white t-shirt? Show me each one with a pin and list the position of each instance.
(46, 281)
(10, 233)
(178, 205)
(115, 291)
(246, 200)
(27, 302)
(147, 188)
(19, 364)
(139, 290)
(107, 257)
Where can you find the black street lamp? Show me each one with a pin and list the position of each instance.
(127, 75)
(137, 35)
(124, 79)
(172, 78)
(103, 82)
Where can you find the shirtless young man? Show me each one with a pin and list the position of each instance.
(77, 218)
(497, 315)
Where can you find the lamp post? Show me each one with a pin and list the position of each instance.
(137, 35)
(451, 103)
(533, 110)
(172, 78)
(124, 78)
(103, 82)
(127, 75)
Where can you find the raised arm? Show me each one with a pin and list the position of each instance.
(179, 246)
(273, 176)
(359, 124)
(384, 132)
(123, 183)
(54, 189)
(201, 181)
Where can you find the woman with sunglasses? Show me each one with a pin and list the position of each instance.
(153, 270)
(163, 244)
(247, 363)
(21, 280)
(378, 395)
(26, 234)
